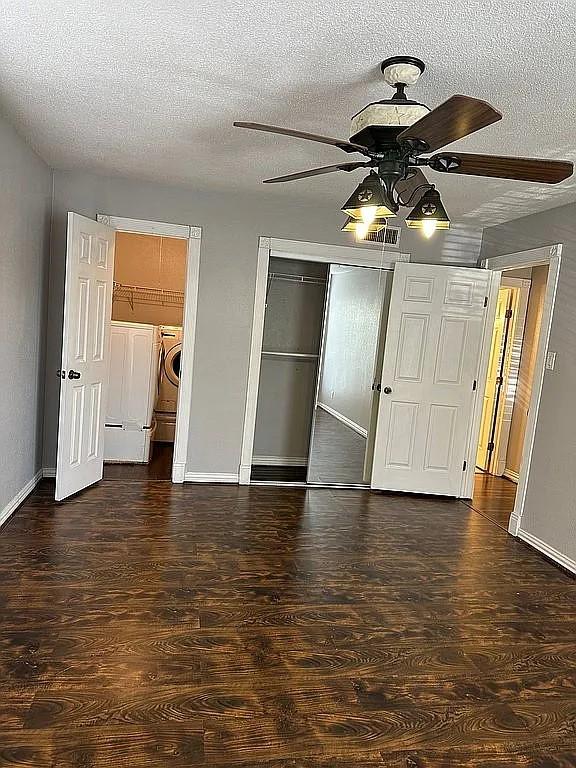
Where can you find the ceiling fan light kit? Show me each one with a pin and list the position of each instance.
(428, 214)
(361, 228)
(398, 135)
(368, 196)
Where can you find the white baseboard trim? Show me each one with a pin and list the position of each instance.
(511, 475)
(178, 472)
(344, 419)
(546, 549)
(513, 524)
(13, 505)
(281, 461)
(49, 472)
(244, 474)
(210, 477)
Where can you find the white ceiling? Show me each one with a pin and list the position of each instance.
(150, 88)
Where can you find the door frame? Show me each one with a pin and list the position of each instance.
(184, 403)
(521, 288)
(550, 256)
(298, 250)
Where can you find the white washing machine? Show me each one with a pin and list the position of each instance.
(168, 383)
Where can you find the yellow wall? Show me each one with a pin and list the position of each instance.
(527, 362)
(152, 262)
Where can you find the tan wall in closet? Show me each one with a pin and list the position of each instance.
(539, 277)
(152, 262)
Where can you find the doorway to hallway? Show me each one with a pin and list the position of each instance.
(508, 391)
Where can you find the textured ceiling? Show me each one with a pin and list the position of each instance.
(149, 89)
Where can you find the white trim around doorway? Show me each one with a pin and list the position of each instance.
(551, 256)
(301, 251)
(184, 405)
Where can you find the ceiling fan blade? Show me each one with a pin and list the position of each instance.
(347, 146)
(317, 171)
(412, 188)
(517, 168)
(452, 120)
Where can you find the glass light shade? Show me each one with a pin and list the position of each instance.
(356, 225)
(368, 213)
(429, 214)
(368, 195)
(419, 224)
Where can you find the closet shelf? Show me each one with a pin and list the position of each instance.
(296, 278)
(139, 294)
(289, 355)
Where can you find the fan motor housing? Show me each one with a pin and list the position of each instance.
(378, 124)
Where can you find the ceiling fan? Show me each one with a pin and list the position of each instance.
(398, 135)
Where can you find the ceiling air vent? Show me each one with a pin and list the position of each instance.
(388, 236)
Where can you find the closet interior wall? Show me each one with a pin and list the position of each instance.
(296, 294)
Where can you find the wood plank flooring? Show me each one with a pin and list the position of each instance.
(158, 468)
(494, 498)
(147, 624)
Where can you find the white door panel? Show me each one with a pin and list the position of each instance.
(85, 345)
(431, 360)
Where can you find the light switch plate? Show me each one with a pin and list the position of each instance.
(550, 360)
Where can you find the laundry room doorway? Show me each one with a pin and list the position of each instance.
(127, 351)
(147, 336)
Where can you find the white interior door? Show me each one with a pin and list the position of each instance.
(85, 354)
(431, 361)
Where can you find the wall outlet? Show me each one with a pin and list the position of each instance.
(550, 360)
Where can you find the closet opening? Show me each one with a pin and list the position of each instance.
(509, 383)
(318, 388)
(146, 347)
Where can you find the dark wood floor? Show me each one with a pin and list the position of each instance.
(494, 498)
(158, 468)
(336, 452)
(146, 624)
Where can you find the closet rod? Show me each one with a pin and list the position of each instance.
(297, 278)
(289, 355)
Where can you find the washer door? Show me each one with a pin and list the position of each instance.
(172, 364)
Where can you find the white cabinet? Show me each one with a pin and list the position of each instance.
(134, 356)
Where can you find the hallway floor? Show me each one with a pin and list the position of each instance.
(494, 498)
(150, 624)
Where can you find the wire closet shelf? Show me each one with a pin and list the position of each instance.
(140, 294)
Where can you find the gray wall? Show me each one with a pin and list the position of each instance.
(352, 325)
(231, 225)
(25, 201)
(550, 511)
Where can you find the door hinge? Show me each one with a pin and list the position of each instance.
(485, 301)
(490, 446)
(508, 314)
(499, 381)
(474, 385)
(464, 466)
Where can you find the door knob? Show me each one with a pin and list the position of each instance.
(73, 375)
(387, 390)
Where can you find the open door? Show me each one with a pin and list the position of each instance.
(494, 380)
(429, 372)
(85, 354)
